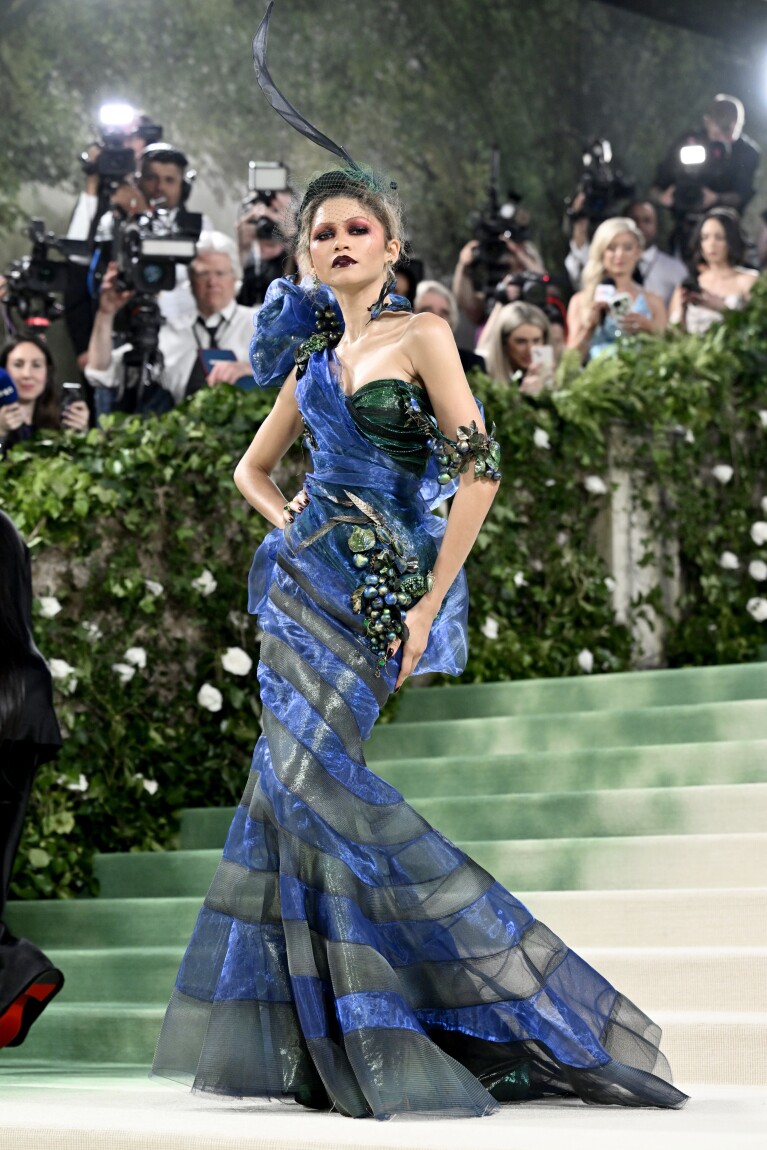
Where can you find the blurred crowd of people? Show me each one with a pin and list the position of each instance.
(159, 304)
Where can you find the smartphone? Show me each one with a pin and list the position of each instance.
(71, 393)
(621, 304)
(543, 355)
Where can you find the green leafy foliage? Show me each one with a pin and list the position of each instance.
(121, 525)
(124, 523)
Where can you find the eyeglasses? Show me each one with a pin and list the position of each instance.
(206, 275)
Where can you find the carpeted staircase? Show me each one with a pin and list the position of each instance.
(628, 811)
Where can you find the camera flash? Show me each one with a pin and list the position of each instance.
(116, 115)
(692, 154)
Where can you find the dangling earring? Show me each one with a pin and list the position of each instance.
(389, 284)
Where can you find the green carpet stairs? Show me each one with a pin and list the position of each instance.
(628, 811)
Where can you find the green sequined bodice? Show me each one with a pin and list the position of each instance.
(380, 410)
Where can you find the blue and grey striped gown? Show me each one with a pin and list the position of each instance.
(347, 955)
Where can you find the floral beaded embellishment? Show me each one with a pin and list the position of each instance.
(455, 456)
(328, 333)
(391, 582)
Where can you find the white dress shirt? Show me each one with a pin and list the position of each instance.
(662, 272)
(180, 340)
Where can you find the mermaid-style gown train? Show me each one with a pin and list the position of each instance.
(347, 955)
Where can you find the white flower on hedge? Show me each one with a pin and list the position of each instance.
(586, 660)
(236, 661)
(519, 579)
(595, 485)
(610, 583)
(757, 569)
(490, 628)
(49, 606)
(205, 583)
(136, 656)
(125, 671)
(210, 697)
(729, 561)
(65, 674)
(764, 504)
(689, 437)
(759, 532)
(758, 608)
(151, 786)
(93, 631)
(549, 483)
(80, 785)
(153, 587)
(541, 438)
(763, 418)
(722, 473)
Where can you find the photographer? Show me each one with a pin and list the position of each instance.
(600, 189)
(611, 304)
(263, 237)
(713, 166)
(37, 402)
(517, 257)
(720, 282)
(165, 184)
(107, 164)
(177, 368)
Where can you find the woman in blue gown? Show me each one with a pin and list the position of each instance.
(347, 955)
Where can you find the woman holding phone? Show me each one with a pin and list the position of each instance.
(39, 403)
(612, 304)
(516, 346)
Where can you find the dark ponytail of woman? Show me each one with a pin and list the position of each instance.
(15, 633)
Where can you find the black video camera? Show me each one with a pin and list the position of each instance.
(116, 161)
(495, 224)
(35, 280)
(699, 161)
(601, 185)
(147, 249)
(531, 288)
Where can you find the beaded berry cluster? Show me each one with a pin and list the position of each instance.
(328, 333)
(391, 583)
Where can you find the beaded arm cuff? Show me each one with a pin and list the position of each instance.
(456, 456)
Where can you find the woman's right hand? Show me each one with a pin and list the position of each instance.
(295, 506)
(11, 418)
(595, 315)
(468, 254)
(111, 297)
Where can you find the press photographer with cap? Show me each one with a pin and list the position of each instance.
(165, 184)
(218, 323)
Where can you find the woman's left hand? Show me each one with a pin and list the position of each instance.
(76, 416)
(419, 623)
(633, 323)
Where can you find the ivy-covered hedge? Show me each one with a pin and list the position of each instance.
(141, 546)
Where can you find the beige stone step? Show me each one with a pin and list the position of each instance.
(691, 917)
(725, 1049)
(686, 978)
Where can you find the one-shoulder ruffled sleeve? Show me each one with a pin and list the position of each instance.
(287, 318)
